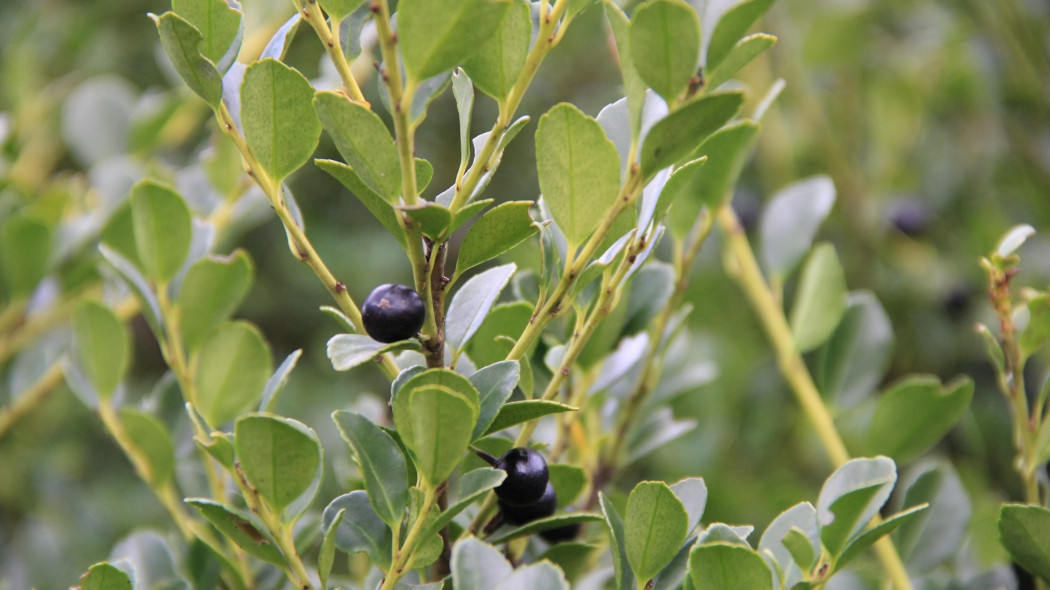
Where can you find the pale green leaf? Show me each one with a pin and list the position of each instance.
(163, 229)
(654, 529)
(102, 345)
(820, 300)
(665, 45)
(364, 142)
(280, 457)
(435, 35)
(277, 113)
(232, 368)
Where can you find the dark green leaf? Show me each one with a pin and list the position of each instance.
(381, 462)
(163, 229)
(233, 365)
(441, 377)
(727, 150)
(360, 528)
(654, 529)
(514, 413)
(25, 245)
(181, 41)
(820, 300)
(497, 231)
(240, 529)
(495, 66)
(916, 413)
(1025, 533)
(433, 219)
(680, 133)
(364, 142)
(213, 288)
(280, 124)
(732, 25)
(495, 383)
(103, 576)
(873, 534)
(852, 363)
(724, 566)
(543, 524)
(280, 457)
(152, 444)
(373, 201)
(435, 36)
(435, 423)
(102, 346)
(665, 45)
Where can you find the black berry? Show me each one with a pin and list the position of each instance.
(566, 532)
(519, 515)
(911, 218)
(392, 313)
(527, 477)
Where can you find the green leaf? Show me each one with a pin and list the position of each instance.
(477, 565)
(725, 566)
(280, 124)
(347, 351)
(514, 413)
(544, 524)
(213, 288)
(103, 576)
(928, 541)
(428, 548)
(275, 384)
(433, 219)
(579, 170)
(1025, 533)
(615, 528)
(102, 346)
(495, 65)
(739, 56)
(794, 541)
(873, 534)
(233, 365)
(634, 86)
(568, 481)
(326, 555)
(181, 41)
(139, 286)
(732, 25)
(497, 231)
(441, 377)
(240, 529)
(435, 35)
(463, 91)
(281, 40)
(495, 337)
(472, 485)
(676, 186)
(381, 462)
(373, 201)
(467, 212)
(680, 133)
(820, 300)
(360, 529)
(727, 150)
(219, 26)
(163, 229)
(340, 9)
(153, 445)
(280, 457)
(915, 414)
(692, 493)
(471, 304)
(25, 246)
(364, 142)
(435, 423)
(853, 361)
(665, 45)
(495, 383)
(220, 447)
(538, 575)
(654, 529)
(1037, 333)
(851, 497)
(791, 220)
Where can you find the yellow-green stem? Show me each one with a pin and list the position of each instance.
(333, 45)
(404, 554)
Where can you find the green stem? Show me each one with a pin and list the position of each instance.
(329, 36)
(281, 534)
(744, 267)
(404, 555)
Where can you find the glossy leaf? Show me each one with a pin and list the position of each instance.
(280, 457)
(102, 344)
(724, 566)
(210, 292)
(654, 529)
(239, 529)
(381, 462)
(219, 26)
(373, 201)
(25, 245)
(495, 383)
(1025, 533)
(472, 302)
(497, 231)
(495, 66)
(915, 414)
(820, 300)
(853, 361)
(435, 36)
(152, 444)
(514, 413)
(739, 56)
(360, 529)
(232, 368)
(280, 125)
(790, 221)
(851, 497)
(181, 42)
(435, 423)
(163, 229)
(579, 170)
(732, 25)
(665, 45)
(103, 576)
(364, 142)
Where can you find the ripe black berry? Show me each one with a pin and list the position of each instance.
(566, 532)
(392, 313)
(519, 515)
(527, 477)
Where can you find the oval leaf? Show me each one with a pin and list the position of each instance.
(381, 462)
(495, 66)
(854, 360)
(915, 414)
(152, 444)
(364, 142)
(724, 566)
(1025, 533)
(435, 423)
(680, 133)
(497, 231)
(232, 368)
(514, 413)
(472, 303)
(181, 42)
(240, 529)
(820, 300)
(665, 45)
(103, 576)
(654, 529)
(280, 457)
(851, 497)
(102, 346)
(211, 291)
(360, 529)
(436, 35)
(163, 229)
(791, 220)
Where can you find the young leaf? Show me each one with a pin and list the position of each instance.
(791, 220)
(280, 125)
(820, 300)
(793, 541)
(435, 423)
(724, 566)
(364, 142)
(381, 462)
(347, 351)
(102, 346)
(495, 66)
(739, 56)
(373, 201)
(665, 45)
(1025, 533)
(163, 229)
(615, 528)
(219, 26)
(495, 383)
(680, 133)
(25, 246)
(233, 365)
(654, 529)
(579, 170)
(153, 445)
(360, 529)
(851, 497)
(280, 457)
(1014, 239)
(731, 27)
(213, 288)
(497, 231)
(181, 41)
(477, 565)
(435, 36)
(240, 529)
(103, 576)
(472, 303)
(514, 413)
(853, 361)
(916, 413)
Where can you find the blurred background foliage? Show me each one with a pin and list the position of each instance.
(931, 116)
